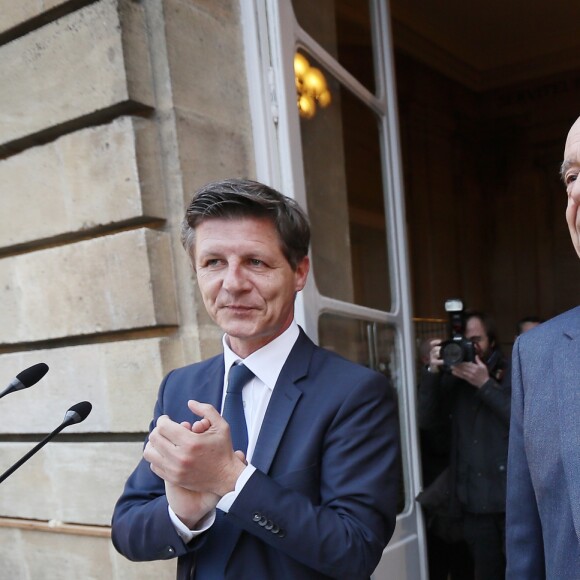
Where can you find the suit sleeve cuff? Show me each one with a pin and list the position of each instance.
(184, 532)
(225, 503)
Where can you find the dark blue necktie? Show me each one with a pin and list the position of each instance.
(233, 411)
(211, 558)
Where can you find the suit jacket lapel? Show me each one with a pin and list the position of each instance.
(207, 386)
(567, 360)
(284, 399)
(280, 408)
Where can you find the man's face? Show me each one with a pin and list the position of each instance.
(247, 284)
(475, 331)
(571, 168)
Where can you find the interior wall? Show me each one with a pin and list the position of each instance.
(485, 207)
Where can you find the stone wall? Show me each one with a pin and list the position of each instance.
(112, 112)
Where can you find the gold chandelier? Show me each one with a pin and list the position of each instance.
(311, 87)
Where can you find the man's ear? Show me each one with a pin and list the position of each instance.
(301, 273)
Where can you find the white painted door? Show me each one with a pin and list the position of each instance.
(342, 163)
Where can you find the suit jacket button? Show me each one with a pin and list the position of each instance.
(275, 529)
(263, 521)
(282, 534)
(269, 525)
(256, 517)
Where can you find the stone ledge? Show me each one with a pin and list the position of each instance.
(93, 178)
(111, 283)
(88, 60)
(17, 14)
(34, 554)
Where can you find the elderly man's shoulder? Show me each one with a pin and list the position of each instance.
(568, 323)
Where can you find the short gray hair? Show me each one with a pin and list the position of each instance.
(237, 198)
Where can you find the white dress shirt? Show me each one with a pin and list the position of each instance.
(266, 364)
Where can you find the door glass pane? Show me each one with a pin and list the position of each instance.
(388, 362)
(343, 29)
(373, 345)
(345, 336)
(344, 186)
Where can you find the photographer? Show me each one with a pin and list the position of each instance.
(474, 395)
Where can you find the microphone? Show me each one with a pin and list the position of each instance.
(76, 414)
(26, 378)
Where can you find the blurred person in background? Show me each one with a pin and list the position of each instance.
(475, 397)
(527, 323)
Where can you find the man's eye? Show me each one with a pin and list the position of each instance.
(570, 178)
(256, 262)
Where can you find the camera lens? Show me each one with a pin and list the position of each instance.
(452, 353)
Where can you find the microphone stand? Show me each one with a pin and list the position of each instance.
(34, 450)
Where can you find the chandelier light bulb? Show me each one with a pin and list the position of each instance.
(314, 82)
(325, 98)
(301, 65)
(306, 106)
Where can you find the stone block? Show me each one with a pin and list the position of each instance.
(34, 555)
(113, 283)
(206, 60)
(76, 483)
(120, 379)
(85, 180)
(84, 62)
(14, 13)
(210, 150)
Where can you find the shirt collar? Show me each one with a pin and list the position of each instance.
(267, 362)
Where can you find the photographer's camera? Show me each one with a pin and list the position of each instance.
(457, 349)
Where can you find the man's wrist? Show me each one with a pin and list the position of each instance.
(227, 500)
(487, 381)
(231, 480)
(187, 533)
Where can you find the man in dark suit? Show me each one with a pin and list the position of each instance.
(302, 480)
(543, 499)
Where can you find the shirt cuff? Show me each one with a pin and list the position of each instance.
(225, 503)
(184, 532)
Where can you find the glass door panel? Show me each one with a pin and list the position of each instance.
(345, 336)
(343, 29)
(342, 169)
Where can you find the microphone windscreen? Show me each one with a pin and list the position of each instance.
(79, 412)
(33, 374)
